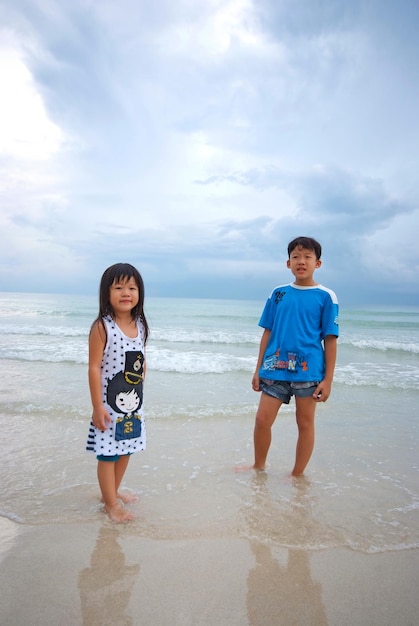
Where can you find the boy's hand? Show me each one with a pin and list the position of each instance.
(323, 391)
(100, 418)
(255, 382)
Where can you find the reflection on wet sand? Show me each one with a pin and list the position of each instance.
(106, 586)
(281, 590)
(283, 594)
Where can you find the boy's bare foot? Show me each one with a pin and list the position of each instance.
(295, 474)
(117, 513)
(242, 468)
(127, 498)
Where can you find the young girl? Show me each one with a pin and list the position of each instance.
(116, 372)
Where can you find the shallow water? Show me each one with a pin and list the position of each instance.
(361, 487)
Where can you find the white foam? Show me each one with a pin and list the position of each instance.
(48, 331)
(203, 336)
(192, 362)
(382, 345)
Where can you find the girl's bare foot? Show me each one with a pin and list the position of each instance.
(127, 498)
(117, 513)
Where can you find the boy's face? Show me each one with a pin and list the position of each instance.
(302, 263)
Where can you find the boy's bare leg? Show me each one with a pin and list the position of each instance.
(305, 411)
(262, 435)
(107, 473)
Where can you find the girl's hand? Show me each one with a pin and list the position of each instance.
(100, 418)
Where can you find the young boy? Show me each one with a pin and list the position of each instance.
(297, 352)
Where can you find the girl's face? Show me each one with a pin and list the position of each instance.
(127, 401)
(124, 295)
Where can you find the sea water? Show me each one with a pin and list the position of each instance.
(361, 488)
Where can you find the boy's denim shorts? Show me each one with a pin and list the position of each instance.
(284, 389)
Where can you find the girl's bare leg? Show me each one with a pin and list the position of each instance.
(109, 476)
(262, 435)
(120, 469)
(305, 411)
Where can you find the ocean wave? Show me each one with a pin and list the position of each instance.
(172, 335)
(197, 362)
(51, 331)
(167, 335)
(380, 312)
(37, 312)
(166, 360)
(382, 345)
(384, 326)
(74, 352)
(201, 337)
(386, 376)
(181, 335)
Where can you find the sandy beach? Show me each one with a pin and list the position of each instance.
(101, 573)
(209, 546)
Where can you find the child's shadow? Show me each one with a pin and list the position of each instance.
(106, 586)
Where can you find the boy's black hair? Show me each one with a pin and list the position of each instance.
(116, 273)
(305, 242)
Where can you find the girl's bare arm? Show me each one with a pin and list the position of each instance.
(97, 340)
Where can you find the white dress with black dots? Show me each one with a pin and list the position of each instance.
(122, 388)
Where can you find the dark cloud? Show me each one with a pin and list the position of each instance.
(200, 138)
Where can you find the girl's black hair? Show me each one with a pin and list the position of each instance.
(116, 273)
(305, 242)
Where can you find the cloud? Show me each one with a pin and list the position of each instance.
(197, 140)
(25, 131)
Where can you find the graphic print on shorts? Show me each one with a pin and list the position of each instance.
(124, 394)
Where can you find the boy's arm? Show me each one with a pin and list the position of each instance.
(324, 388)
(262, 349)
(97, 340)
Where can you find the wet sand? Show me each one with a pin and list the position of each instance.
(102, 573)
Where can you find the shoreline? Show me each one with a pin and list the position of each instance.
(97, 572)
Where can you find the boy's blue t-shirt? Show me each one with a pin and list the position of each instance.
(299, 318)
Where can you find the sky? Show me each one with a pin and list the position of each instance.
(196, 139)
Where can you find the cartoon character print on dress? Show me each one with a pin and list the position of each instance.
(125, 395)
(133, 370)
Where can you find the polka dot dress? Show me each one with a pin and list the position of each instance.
(122, 357)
